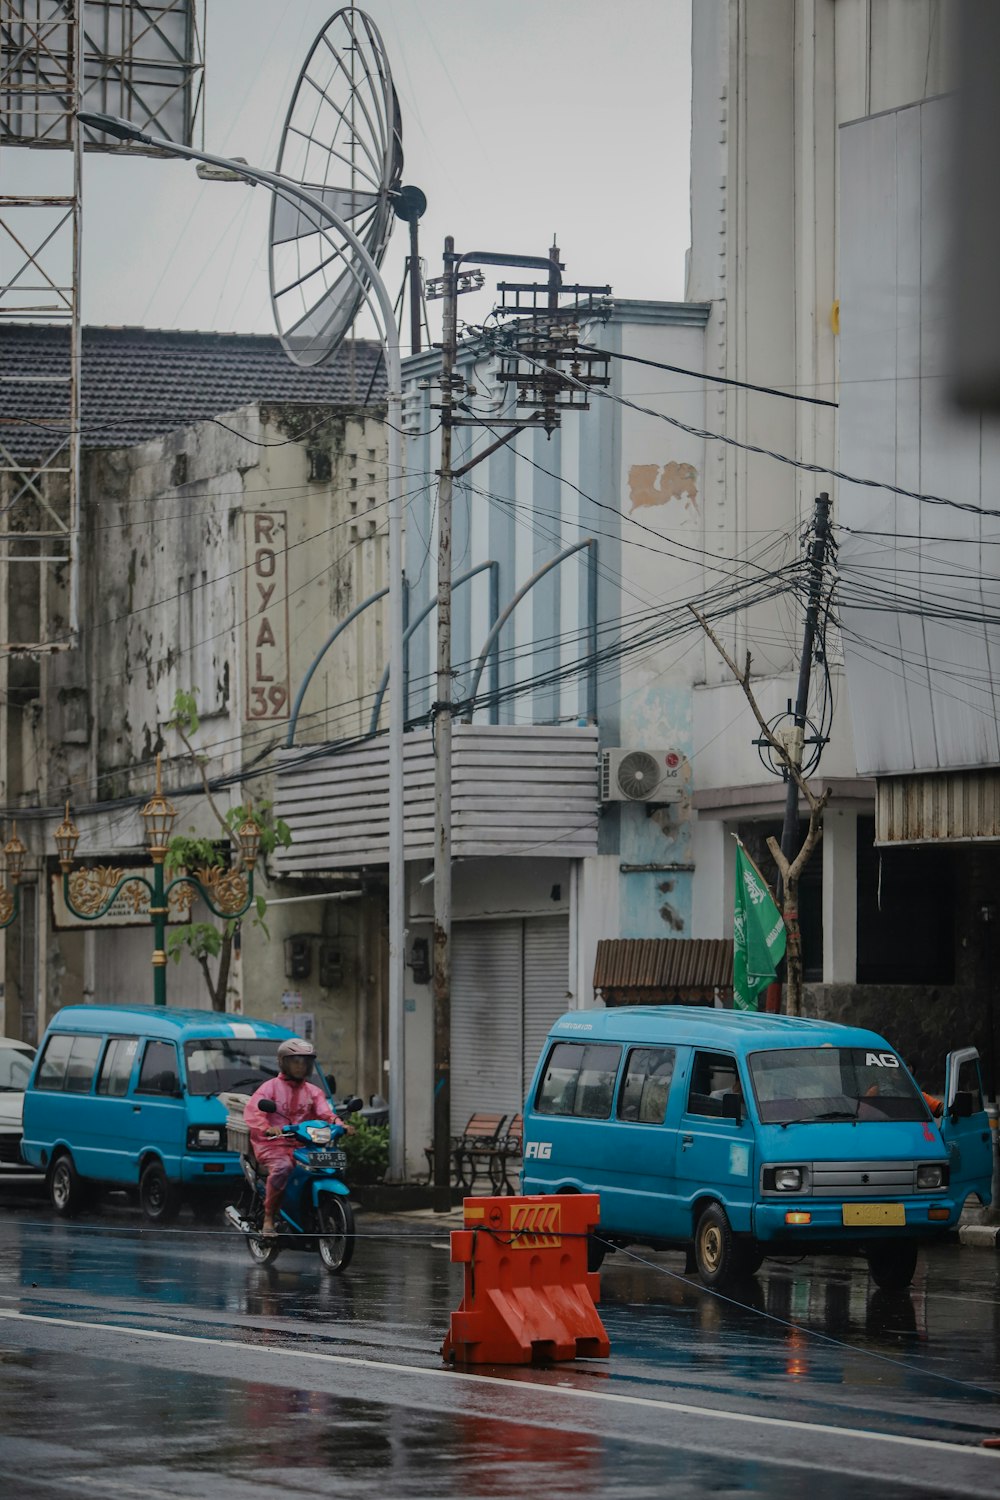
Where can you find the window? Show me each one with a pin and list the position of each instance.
(713, 1074)
(217, 1064)
(579, 1080)
(648, 1072)
(116, 1069)
(53, 1065)
(82, 1061)
(803, 1084)
(68, 1063)
(159, 1069)
(15, 1068)
(969, 1083)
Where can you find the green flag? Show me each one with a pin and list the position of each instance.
(758, 935)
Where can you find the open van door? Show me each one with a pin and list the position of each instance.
(965, 1127)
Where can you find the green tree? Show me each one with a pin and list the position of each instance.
(210, 942)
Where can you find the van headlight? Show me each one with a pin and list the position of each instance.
(204, 1138)
(784, 1179)
(931, 1175)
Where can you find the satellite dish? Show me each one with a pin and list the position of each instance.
(343, 141)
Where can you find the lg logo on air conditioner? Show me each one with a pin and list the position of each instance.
(540, 1149)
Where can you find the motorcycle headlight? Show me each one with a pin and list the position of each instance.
(319, 1134)
(931, 1175)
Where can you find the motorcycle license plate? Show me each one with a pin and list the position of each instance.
(335, 1159)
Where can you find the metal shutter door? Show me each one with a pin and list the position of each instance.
(546, 977)
(486, 1037)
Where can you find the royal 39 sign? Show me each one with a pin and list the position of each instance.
(266, 614)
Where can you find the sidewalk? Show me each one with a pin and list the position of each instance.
(973, 1231)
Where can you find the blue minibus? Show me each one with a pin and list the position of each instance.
(745, 1135)
(127, 1096)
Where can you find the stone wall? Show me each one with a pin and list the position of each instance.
(924, 1022)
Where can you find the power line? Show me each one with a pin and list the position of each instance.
(745, 385)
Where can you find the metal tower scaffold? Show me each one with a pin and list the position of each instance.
(139, 60)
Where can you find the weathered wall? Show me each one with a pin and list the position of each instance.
(924, 1022)
(172, 560)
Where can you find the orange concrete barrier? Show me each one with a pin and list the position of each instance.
(528, 1294)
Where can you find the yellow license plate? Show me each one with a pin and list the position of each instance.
(874, 1213)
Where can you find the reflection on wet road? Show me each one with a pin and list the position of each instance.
(138, 1362)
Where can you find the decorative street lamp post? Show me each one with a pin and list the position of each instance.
(90, 894)
(10, 900)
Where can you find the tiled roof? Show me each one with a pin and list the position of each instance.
(140, 383)
(646, 970)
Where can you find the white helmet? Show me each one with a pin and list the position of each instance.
(296, 1046)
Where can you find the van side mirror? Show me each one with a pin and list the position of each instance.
(267, 1107)
(962, 1107)
(732, 1108)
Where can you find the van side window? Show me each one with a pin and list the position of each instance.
(82, 1061)
(643, 1097)
(68, 1063)
(969, 1083)
(712, 1075)
(579, 1080)
(158, 1074)
(116, 1069)
(52, 1068)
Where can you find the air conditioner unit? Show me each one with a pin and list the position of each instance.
(643, 775)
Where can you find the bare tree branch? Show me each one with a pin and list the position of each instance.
(743, 678)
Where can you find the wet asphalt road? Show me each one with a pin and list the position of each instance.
(140, 1362)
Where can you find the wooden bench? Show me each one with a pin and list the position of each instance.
(506, 1158)
(472, 1151)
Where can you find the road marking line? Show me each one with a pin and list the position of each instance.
(786, 1424)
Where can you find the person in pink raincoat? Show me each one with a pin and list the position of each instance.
(296, 1099)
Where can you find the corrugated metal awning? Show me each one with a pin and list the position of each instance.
(645, 971)
(949, 807)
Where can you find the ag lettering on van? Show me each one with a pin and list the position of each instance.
(881, 1060)
(542, 1150)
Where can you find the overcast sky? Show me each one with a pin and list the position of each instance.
(521, 119)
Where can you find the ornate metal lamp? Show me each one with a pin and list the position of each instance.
(10, 900)
(90, 893)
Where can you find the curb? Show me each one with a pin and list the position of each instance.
(985, 1236)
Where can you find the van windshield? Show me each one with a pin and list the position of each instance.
(805, 1084)
(232, 1064)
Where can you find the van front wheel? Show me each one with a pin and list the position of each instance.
(66, 1191)
(158, 1197)
(892, 1264)
(715, 1248)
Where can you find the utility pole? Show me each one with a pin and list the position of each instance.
(541, 387)
(816, 557)
(442, 754)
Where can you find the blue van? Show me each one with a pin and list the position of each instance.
(126, 1096)
(752, 1135)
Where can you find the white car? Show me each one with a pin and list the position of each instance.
(16, 1061)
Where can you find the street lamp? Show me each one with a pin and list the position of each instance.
(295, 193)
(90, 893)
(10, 900)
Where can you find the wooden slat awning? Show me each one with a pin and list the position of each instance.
(663, 971)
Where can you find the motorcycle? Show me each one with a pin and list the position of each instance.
(315, 1210)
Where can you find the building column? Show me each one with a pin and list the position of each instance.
(840, 896)
(714, 884)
